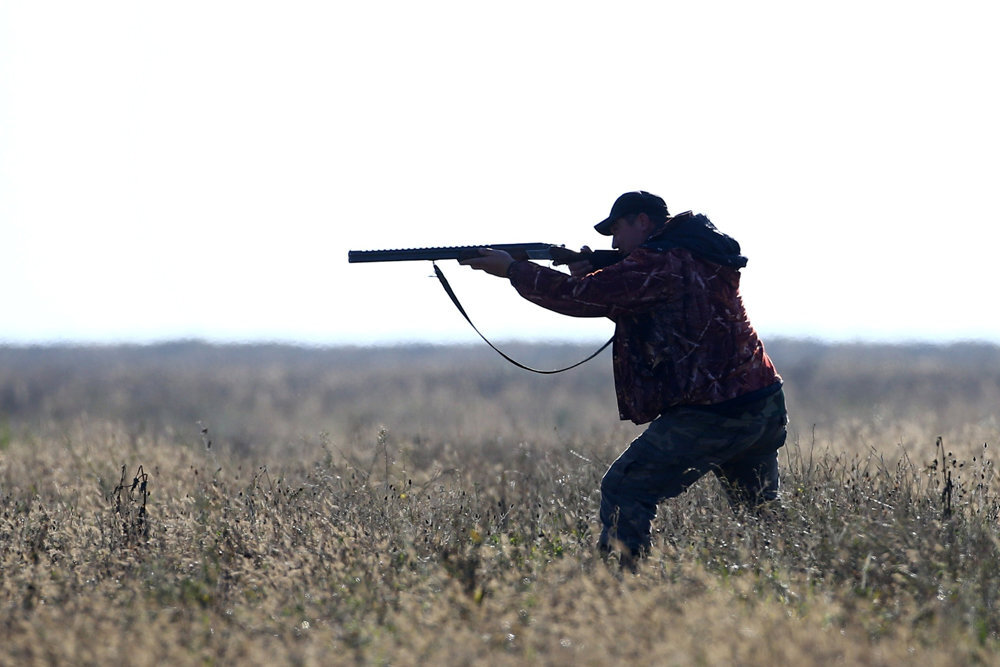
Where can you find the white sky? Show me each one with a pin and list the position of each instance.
(200, 169)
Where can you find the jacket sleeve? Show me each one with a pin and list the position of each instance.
(632, 285)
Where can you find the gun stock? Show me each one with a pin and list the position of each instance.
(521, 251)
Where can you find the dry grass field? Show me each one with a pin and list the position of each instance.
(192, 504)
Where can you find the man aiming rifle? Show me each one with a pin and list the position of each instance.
(686, 361)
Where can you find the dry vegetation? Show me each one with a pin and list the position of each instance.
(195, 504)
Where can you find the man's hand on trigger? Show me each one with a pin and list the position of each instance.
(581, 267)
(493, 262)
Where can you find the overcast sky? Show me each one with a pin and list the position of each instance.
(200, 169)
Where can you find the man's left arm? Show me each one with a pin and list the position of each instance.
(541, 285)
(634, 284)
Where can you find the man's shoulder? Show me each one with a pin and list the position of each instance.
(653, 257)
(678, 266)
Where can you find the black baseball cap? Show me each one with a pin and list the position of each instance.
(631, 203)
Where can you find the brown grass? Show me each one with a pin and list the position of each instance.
(430, 505)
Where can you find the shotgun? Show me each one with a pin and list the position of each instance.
(520, 251)
(545, 251)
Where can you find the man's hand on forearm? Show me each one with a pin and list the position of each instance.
(493, 262)
(582, 267)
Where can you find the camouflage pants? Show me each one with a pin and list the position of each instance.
(684, 443)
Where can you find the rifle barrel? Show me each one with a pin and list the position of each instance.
(516, 250)
(558, 254)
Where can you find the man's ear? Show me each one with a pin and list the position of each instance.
(646, 223)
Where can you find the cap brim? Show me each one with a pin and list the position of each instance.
(604, 226)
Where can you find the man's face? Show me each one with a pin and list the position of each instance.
(630, 232)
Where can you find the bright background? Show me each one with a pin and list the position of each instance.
(200, 169)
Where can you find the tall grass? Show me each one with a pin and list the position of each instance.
(305, 530)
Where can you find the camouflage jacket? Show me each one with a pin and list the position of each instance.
(682, 336)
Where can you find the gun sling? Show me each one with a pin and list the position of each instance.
(454, 299)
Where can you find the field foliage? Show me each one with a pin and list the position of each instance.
(189, 503)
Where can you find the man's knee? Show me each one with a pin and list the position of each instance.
(611, 483)
(751, 482)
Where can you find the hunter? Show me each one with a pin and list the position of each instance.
(687, 362)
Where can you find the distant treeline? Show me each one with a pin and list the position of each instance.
(262, 393)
